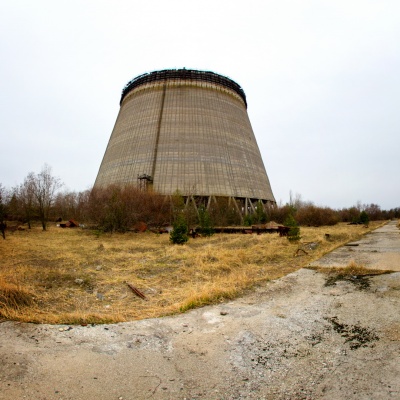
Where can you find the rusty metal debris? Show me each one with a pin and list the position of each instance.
(297, 252)
(271, 227)
(136, 291)
(69, 224)
(310, 246)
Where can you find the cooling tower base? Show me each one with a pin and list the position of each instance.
(238, 206)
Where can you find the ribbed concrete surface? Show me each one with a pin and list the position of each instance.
(188, 135)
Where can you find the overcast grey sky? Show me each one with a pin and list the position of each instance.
(322, 80)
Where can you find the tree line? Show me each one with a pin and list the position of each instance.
(40, 199)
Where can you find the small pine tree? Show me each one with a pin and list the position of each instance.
(260, 216)
(179, 233)
(248, 220)
(294, 231)
(364, 218)
(205, 222)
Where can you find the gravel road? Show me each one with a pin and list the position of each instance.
(294, 338)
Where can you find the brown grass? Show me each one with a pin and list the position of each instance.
(76, 276)
(13, 298)
(353, 272)
(352, 269)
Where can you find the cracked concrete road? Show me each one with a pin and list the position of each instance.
(294, 338)
(379, 249)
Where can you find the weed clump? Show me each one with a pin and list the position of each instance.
(354, 273)
(207, 297)
(13, 298)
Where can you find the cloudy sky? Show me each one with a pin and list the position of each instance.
(322, 80)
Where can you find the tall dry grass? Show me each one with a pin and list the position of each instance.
(13, 298)
(77, 276)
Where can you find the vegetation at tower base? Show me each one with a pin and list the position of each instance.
(294, 231)
(222, 213)
(258, 217)
(179, 233)
(205, 223)
(119, 208)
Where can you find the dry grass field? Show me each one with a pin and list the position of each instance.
(75, 276)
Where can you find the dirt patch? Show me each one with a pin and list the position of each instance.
(360, 281)
(357, 336)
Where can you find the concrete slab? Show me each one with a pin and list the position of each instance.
(379, 249)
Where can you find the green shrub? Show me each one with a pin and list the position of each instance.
(179, 233)
(205, 222)
(364, 219)
(260, 217)
(248, 220)
(294, 231)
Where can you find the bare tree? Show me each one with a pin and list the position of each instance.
(3, 210)
(26, 199)
(45, 187)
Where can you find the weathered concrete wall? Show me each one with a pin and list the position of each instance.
(190, 136)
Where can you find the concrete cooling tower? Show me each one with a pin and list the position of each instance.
(186, 130)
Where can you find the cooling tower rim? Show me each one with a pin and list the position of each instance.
(183, 74)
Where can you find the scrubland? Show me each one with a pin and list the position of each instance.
(76, 276)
